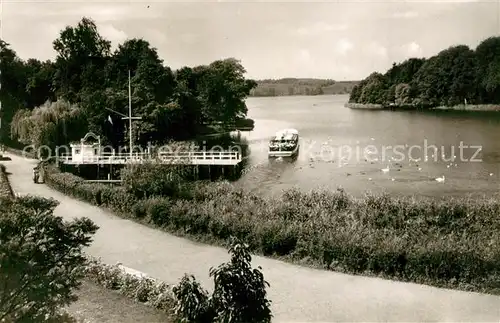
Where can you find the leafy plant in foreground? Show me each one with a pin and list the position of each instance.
(239, 295)
(41, 260)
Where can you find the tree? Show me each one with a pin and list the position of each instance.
(488, 66)
(81, 58)
(41, 259)
(171, 104)
(39, 85)
(13, 89)
(402, 95)
(224, 89)
(447, 78)
(374, 91)
(52, 124)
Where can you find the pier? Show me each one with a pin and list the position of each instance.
(198, 158)
(91, 161)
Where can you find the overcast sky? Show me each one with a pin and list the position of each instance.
(341, 40)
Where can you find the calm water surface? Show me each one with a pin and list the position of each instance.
(377, 140)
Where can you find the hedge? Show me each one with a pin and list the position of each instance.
(448, 242)
(146, 290)
(5, 189)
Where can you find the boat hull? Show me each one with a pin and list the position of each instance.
(277, 154)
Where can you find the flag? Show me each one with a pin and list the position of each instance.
(110, 120)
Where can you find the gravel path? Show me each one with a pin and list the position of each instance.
(298, 294)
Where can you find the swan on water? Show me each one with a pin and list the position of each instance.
(440, 179)
(385, 170)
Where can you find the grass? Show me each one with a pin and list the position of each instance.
(98, 304)
(449, 242)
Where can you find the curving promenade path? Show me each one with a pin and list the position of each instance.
(298, 294)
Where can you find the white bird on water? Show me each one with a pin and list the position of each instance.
(440, 179)
(385, 170)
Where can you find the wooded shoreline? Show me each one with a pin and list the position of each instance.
(461, 107)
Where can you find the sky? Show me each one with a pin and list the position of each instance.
(340, 40)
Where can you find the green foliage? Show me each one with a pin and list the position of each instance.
(5, 189)
(153, 179)
(51, 124)
(40, 259)
(450, 78)
(239, 294)
(114, 198)
(448, 242)
(86, 79)
(142, 289)
(193, 302)
(292, 86)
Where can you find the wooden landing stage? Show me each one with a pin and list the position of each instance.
(209, 158)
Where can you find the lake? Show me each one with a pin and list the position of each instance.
(348, 148)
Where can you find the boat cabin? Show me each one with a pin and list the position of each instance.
(284, 140)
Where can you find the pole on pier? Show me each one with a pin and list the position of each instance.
(130, 118)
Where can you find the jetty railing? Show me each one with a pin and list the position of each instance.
(186, 157)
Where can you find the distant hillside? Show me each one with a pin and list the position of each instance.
(305, 86)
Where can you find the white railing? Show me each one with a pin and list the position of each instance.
(105, 157)
(200, 155)
(191, 156)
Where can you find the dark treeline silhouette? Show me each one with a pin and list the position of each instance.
(301, 86)
(457, 75)
(56, 102)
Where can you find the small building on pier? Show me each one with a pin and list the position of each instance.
(90, 156)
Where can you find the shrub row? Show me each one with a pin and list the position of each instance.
(5, 189)
(239, 294)
(146, 290)
(448, 242)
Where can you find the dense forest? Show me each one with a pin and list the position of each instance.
(301, 86)
(56, 102)
(457, 75)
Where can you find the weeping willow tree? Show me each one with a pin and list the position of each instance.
(52, 124)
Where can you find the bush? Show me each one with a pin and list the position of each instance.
(239, 295)
(5, 189)
(41, 259)
(142, 289)
(445, 242)
(152, 179)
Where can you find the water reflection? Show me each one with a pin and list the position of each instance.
(326, 127)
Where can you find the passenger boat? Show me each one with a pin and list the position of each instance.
(284, 144)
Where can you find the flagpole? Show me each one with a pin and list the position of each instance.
(130, 112)
(129, 118)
